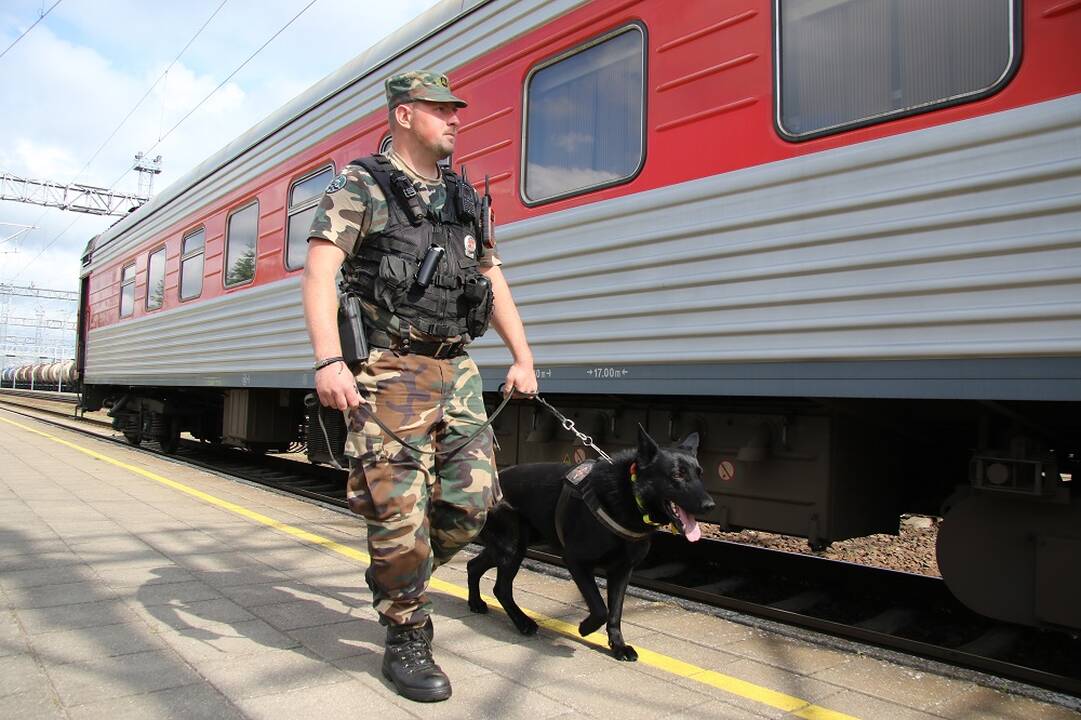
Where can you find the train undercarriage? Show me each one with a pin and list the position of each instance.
(1000, 474)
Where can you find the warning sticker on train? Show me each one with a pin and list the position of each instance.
(336, 184)
(726, 471)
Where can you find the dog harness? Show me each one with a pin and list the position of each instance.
(576, 484)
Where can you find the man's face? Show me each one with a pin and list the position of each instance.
(435, 125)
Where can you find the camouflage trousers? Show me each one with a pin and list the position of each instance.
(420, 509)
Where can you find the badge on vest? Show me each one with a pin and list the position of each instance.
(336, 184)
(470, 243)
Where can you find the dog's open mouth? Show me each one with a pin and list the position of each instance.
(684, 522)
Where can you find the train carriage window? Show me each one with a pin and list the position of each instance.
(585, 118)
(304, 197)
(155, 279)
(191, 265)
(240, 245)
(127, 290)
(847, 63)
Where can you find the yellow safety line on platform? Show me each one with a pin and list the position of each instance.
(794, 705)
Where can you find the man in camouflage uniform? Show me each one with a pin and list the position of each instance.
(420, 508)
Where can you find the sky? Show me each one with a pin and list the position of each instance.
(71, 80)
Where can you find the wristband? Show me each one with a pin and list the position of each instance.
(319, 365)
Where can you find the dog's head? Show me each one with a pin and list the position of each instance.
(669, 481)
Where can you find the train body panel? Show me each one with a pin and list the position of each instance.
(861, 256)
(856, 314)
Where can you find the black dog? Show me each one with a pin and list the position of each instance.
(637, 492)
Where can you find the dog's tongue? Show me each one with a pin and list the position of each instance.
(690, 526)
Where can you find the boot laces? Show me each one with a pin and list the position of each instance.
(413, 650)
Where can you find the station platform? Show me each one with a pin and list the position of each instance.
(136, 587)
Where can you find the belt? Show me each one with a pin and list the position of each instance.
(437, 350)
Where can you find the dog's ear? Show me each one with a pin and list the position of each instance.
(689, 444)
(647, 448)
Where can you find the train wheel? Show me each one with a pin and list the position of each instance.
(1013, 558)
(171, 440)
(133, 438)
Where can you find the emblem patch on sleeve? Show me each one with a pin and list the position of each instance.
(470, 243)
(336, 184)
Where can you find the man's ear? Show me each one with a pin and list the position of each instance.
(404, 115)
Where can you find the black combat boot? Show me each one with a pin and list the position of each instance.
(408, 663)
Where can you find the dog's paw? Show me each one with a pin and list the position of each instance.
(478, 606)
(625, 653)
(591, 624)
(527, 626)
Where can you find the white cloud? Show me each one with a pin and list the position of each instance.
(70, 81)
(35, 160)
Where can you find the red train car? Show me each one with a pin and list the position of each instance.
(839, 238)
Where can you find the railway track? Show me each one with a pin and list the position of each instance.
(904, 612)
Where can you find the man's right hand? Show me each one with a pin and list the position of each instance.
(336, 387)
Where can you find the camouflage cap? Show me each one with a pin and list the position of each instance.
(420, 85)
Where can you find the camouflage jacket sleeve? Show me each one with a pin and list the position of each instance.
(344, 214)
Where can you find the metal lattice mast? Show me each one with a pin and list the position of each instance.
(70, 196)
(147, 169)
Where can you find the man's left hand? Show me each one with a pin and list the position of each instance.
(522, 379)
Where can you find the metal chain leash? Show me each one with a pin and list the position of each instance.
(568, 424)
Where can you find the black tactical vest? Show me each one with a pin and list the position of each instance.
(383, 272)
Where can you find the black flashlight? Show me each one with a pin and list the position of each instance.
(428, 265)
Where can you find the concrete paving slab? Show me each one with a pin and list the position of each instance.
(490, 698)
(153, 594)
(551, 660)
(622, 693)
(87, 645)
(676, 621)
(190, 702)
(859, 705)
(787, 653)
(342, 700)
(306, 613)
(12, 640)
(72, 617)
(270, 593)
(270, 673)
(195, 615)
(715, 710)
(212, 642)
(143, 576)
(981, 703)
(42, 596)
(45, 576)
(119, 676)
(181, 541)
(21, 674)
(768, 676)
(31, 706)
(893, 683)
(341, 640)
(33, 559)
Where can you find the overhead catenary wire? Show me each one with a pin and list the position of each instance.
(121, 123)
(150, 89)
(174, 127)
(27, 30)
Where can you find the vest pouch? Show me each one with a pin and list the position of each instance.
(477, 298)
(393, 280)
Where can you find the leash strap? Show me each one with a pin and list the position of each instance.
(311, 399)
(568, 424)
